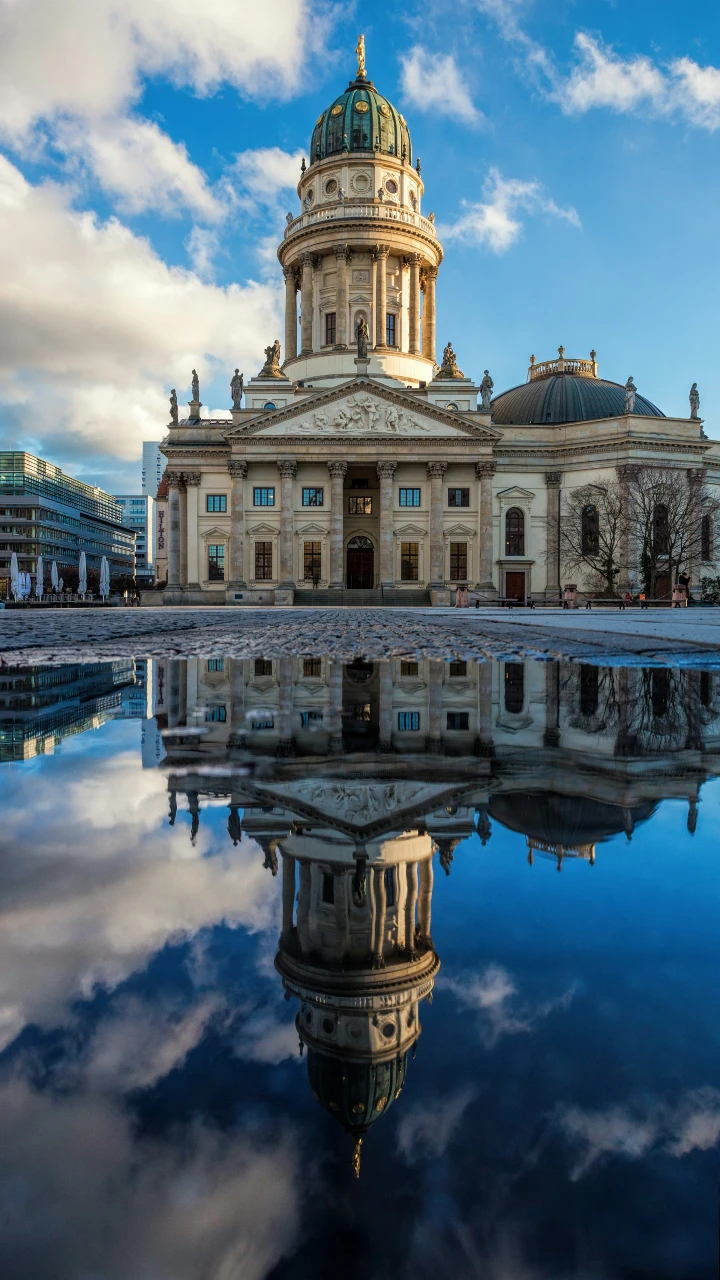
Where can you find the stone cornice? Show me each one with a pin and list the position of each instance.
(351, 387)
(341, 443)
(590, 449)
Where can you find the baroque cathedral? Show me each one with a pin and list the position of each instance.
(365, 460)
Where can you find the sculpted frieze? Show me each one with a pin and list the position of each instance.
(364, 415)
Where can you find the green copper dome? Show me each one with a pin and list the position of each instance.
(355, 1093)
(361, 120)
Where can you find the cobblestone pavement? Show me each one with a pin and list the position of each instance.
(61, 636)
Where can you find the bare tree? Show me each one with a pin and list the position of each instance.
(666, 507)
(593, 527)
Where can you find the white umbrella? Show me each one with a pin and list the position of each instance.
(54, 582)
(104, 578)
(39, 579)
(14, 575)
(26, 586)
(82, 575)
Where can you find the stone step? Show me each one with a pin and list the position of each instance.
(390, 598)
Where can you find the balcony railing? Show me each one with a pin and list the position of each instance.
(353, 209)
(581, 368)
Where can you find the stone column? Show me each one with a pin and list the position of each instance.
(380, 256)
(435, 473)
(385, 726)
(342, 256)
(288, 471)
(553, 480)
(337, 511)
(288, 898)
(238, 476)
(306, 303)
(484, 744)
(173, 482)
(433, 740)
(425, 901)
(485, 472)
(237, 702)
(336, 702)
(290, 274)
(624, 475)
(173, 692)
(410, 903)
(286, 742)
(414, 305)
(386, 471)
(429, 278)
(192, 483)
(183, 533)
(696, 476)
(380, 915)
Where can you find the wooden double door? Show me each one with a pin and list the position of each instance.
(515, 585)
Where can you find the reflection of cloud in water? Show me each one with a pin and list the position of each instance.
(94, 1199)
(493, 995)
(100, 884)
(692, 1124)
(427, 1128)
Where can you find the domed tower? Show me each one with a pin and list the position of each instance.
(360, 250)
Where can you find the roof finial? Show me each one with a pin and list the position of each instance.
(360, 51)
(356, 1149)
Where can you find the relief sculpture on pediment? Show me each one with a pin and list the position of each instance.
(363, 415)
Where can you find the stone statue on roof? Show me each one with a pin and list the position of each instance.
(694, 401)
(630, 393)
(195, 387)
(449, 368)
(236, 388)
(173, 406)
(271, 367)
(486, 390)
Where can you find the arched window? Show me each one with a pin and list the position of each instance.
(660, 529)
(514, 532)
(590, 530)
(706, 539)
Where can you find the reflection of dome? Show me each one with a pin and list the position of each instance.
(565, 390)
(356, 1093)
(555, 819)
(361, 120)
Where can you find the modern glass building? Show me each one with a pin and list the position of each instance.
(45, 512)
(138, 514)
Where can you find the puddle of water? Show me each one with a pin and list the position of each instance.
(267, 925)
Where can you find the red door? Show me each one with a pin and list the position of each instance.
(515, 586)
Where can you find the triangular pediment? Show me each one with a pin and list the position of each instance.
(262, 528)
(361, 409)
(409, 529)
(516, 494)
(356, 806)
(454, 530)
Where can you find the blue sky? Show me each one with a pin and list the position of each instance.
(149, 152)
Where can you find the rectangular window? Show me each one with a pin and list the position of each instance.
(409, 497)
(408, 668)
(216, 713)
(310, 717)
(312, 561)
(362, 711)
(409, 721)
(458, 497)
(330, 338)
(456, 669)
(458, 561)
(263, 497)
(216, 502)
(312, 497)
(328, 887)
(390, 886)
(216, 563)
(359, 506)
(312, 667)
(263, 667)
(390, 329)
(263, 561)
(458, 720)
(268, 723)
(216, 664)
(409, 561)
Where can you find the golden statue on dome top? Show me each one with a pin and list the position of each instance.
(360, 51)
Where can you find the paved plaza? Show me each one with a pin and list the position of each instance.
(675, 637)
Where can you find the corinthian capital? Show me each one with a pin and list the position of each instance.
(291, 275)
(238, 470)
(386, 470)
(381, 251)
(287, 468)
(553, 479)
(342, 252)
(337, 468)
(191, 478)
(485, 469)
(173, 477)
(436, 469)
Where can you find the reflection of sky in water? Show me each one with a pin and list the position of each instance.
(560, 1118)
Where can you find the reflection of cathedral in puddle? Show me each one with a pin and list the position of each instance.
(353, 777)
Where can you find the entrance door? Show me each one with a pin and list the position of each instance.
(515, 586)
(360, 564)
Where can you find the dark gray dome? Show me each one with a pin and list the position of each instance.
(569, 820)
(565, 397)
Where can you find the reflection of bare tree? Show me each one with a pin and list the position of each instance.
(650, 710)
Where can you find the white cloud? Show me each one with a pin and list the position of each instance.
(426, 1129)
(434, 82)
(262, 175)
(493, 995)
(95, 323)
(494, 221)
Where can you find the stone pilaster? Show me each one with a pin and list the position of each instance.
(306, 303)
(337, 511)
(485, 472)
(183, 533)
(429, 279)
(414, 305)
(291, 283)
(238, 475)
(484, 743)
(386, 471)
(288, 471)
(433, 740)
(380, 255)
(192, 484)
(342, 256)
(553, 481)
(435, 473)
(286, 741)
(173, 483)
